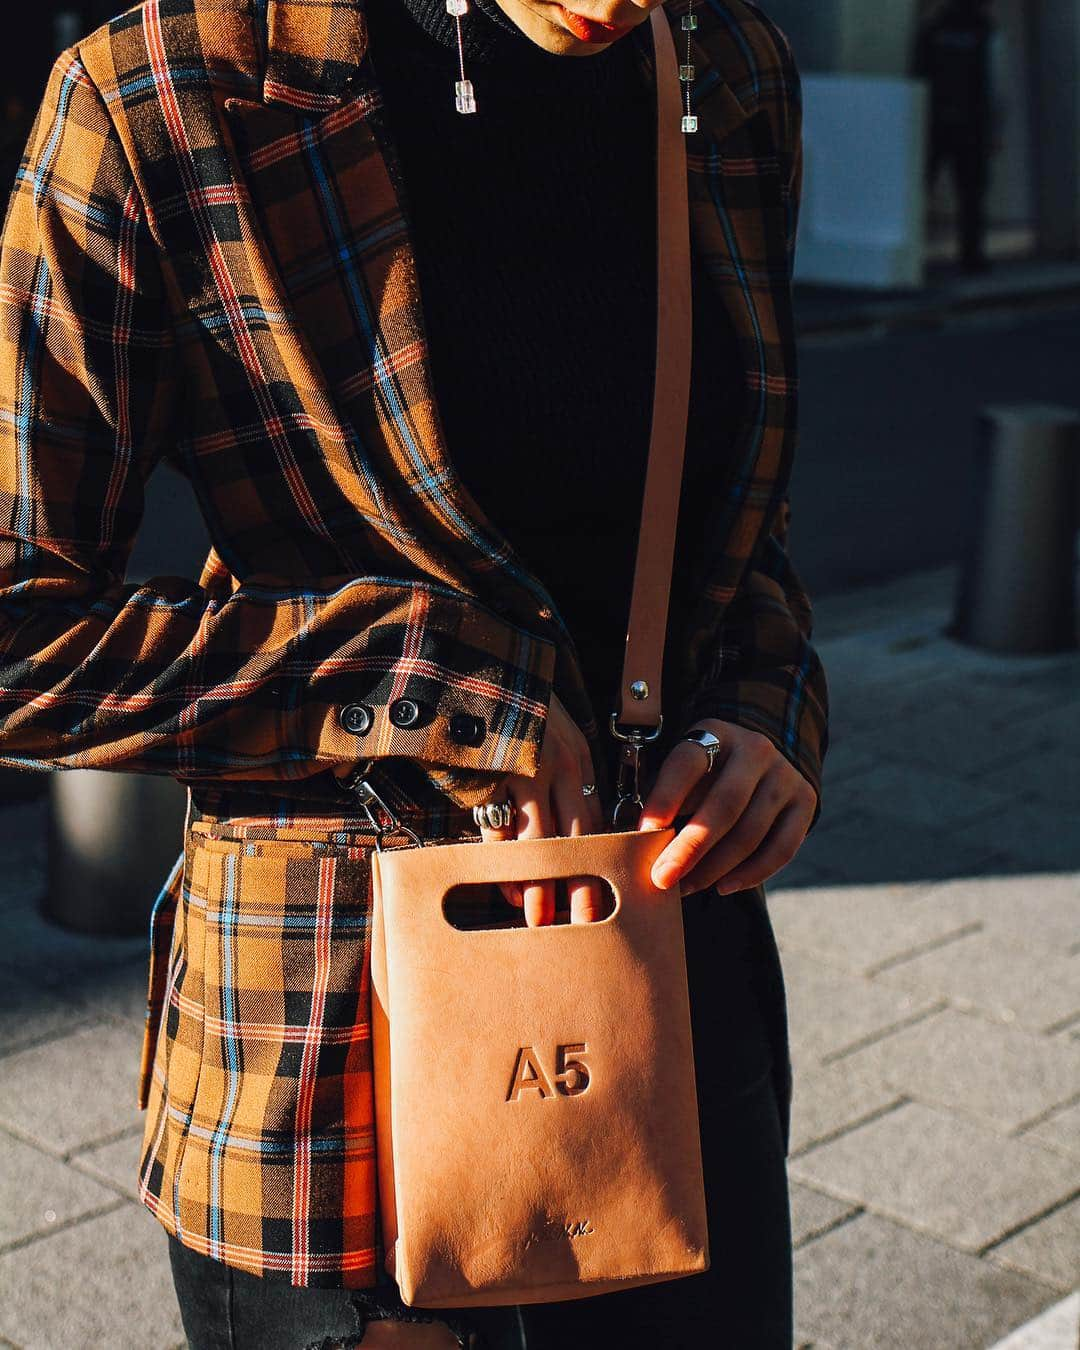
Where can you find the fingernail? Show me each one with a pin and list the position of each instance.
(662, 877)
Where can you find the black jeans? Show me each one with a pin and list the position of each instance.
(742, 1302)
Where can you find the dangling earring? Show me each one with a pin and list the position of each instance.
(464, 99)
(686, 71)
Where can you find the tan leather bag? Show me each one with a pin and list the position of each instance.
(537, 1133)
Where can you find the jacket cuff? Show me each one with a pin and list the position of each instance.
(470, 703)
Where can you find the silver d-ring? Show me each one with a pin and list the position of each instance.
(494, 815)
(588, 789)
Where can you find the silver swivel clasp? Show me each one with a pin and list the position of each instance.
(371, 804)
(628, 779)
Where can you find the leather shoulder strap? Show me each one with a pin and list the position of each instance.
(647, 625)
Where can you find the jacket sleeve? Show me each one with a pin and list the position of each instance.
(765, 674)
(166, 677)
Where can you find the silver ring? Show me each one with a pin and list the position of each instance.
(494, 815)
(587, 789)
(708, 742)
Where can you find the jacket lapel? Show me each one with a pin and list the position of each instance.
(315, 68)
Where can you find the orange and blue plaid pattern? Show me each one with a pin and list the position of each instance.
(205, 259)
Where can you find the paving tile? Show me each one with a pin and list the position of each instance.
(1038, 835)
(1002, 978)
(939, 1174)
(945, 730)
(30, 1013)
(864, 848)
(813, 1212)
(876, 606)
(38, 1192)
(116, 1162)
(1049, 1249)
(1060, 1130)
(835, 1097)
(1038, 907)
(923, 796)
(874, 1285)
(1002, 697)
(830, 1011)
(55, 956)
(1052, 775)
(842, 761)
(116, 992)
(1059, 722)
(73, 1091)
(104, 1282)
(860, 927)
(900, 656)
(1002, 1074)
(1056, 1328)
(23, 847)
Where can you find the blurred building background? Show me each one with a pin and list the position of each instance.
(867, 132)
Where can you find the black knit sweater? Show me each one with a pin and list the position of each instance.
(533, 223)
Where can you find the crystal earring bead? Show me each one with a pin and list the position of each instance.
(464, 97)
(686, 69)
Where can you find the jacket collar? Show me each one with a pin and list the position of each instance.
(314, 52)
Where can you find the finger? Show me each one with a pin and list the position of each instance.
(511, 890)
(771, 796)
(588, 900)
(715, 819)
(512, 893)
(594, 811)
(577, 813)
(775, 851)
(535, 820)
(685, 766)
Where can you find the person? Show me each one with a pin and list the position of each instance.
(959, 53)
(404, 354)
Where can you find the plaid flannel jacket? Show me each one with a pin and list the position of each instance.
(206, 259)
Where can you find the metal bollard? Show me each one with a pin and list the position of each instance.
(1017, 589)
(112, 839)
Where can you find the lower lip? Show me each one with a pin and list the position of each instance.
(589, 31)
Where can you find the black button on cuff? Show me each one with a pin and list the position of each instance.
(357, 718)
(404, 712)
(465, 729)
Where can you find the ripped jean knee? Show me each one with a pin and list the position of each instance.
(383, 1304)
(227, 1309)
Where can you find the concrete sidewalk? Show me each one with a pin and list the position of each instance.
(930, 930)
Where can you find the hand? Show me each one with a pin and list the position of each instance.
(551, 802)
(749, 816)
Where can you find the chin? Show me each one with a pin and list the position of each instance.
(562, 41)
